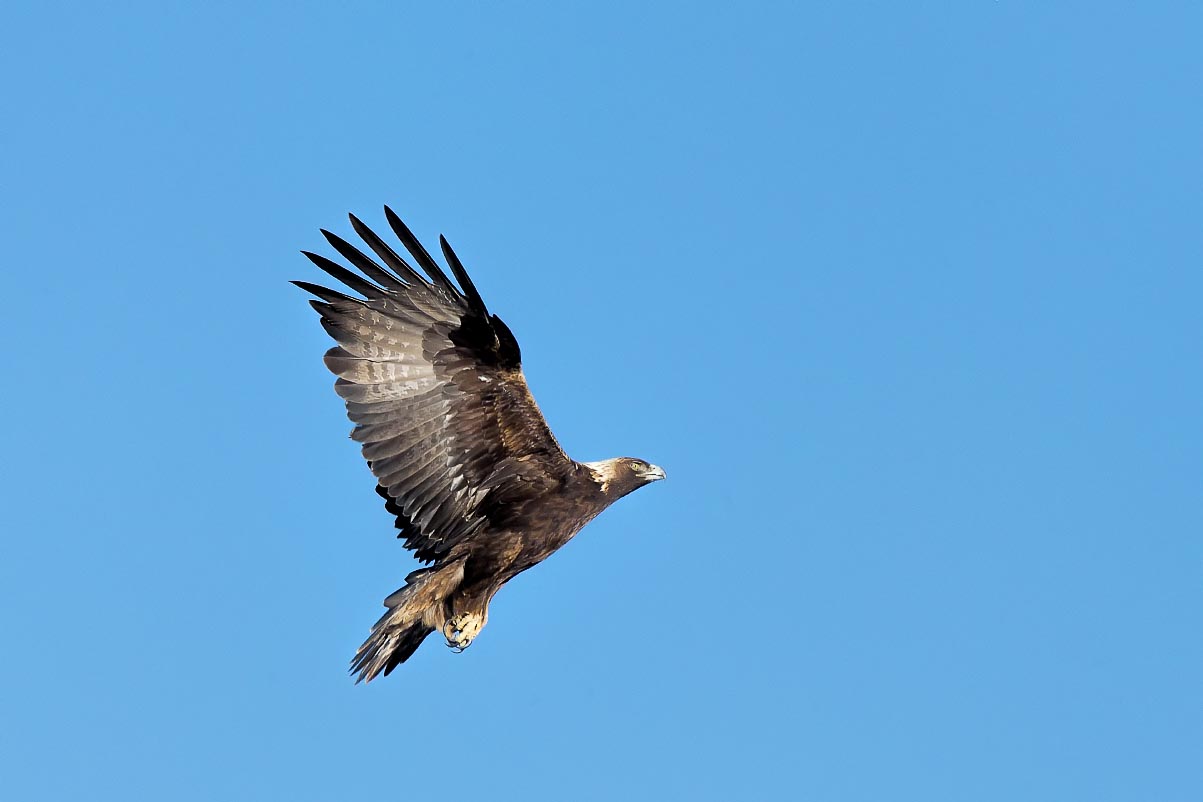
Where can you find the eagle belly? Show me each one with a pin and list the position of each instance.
(496, 558)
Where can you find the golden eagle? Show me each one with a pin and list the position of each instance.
(460, 451)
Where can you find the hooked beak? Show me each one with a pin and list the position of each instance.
(654, 473)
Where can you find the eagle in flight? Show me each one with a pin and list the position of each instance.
(461, 453)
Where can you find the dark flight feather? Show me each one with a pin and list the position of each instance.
(474, 300)
(364, 288)
(322, 292)
(386, 253)
(419, 253)
(361, 262)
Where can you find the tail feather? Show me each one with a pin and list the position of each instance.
(414, 612)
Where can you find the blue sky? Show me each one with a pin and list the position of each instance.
(904, 297)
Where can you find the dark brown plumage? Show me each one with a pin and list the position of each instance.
(479, 486)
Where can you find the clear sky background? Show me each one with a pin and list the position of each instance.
(905, 297)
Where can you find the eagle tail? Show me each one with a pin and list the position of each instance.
(414, 611)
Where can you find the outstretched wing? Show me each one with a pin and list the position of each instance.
(434, 385)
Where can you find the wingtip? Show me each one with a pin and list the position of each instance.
(469, 290)
(418, 251)
(391, 217)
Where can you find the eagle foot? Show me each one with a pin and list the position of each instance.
(461, 630)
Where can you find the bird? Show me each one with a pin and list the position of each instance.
(480, 488)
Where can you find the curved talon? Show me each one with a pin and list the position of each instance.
(451, 634)
(461, 630)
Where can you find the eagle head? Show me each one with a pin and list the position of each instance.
(621, 475)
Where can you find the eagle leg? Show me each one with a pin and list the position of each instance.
(462, 629)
